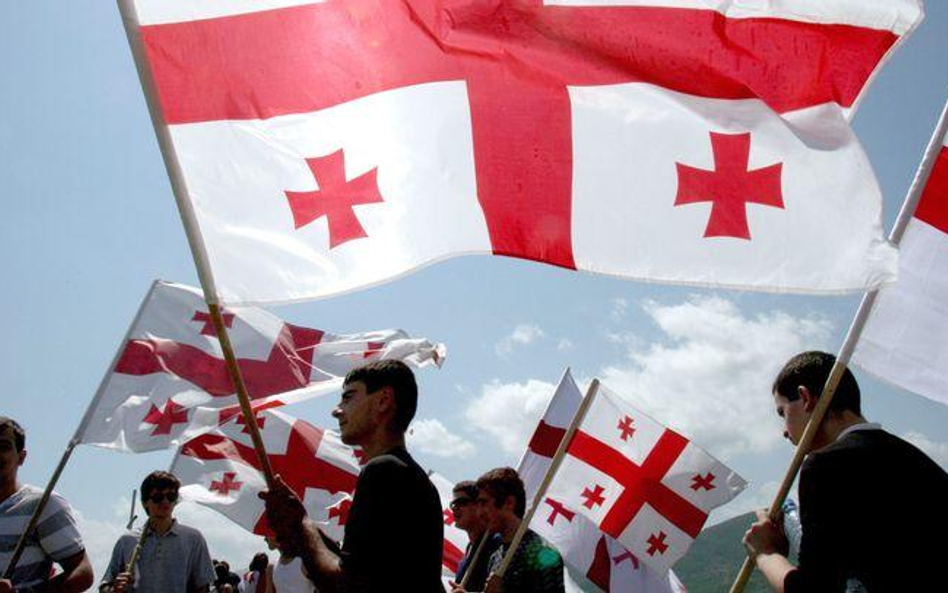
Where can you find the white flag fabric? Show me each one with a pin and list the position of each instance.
(220, 470)
(169, 381)
(904, 341)
(455, 539)
(590, 555)
(577, 133)
(641, 483)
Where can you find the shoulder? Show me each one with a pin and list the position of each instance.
(188, 532)
(537, 546)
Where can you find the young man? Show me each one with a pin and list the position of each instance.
(467, 516)
(173, 557)
(869, 501)
(394, 532)
(536, 566)
(55, 538)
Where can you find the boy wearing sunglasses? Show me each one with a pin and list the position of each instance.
(173, 557)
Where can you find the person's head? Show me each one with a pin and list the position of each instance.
(799, 385)
(159, 493)
(380, 394)
(260, 562)
(12, 449)
(464, 507)
(501, 498)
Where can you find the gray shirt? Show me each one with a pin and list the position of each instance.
(177, 561)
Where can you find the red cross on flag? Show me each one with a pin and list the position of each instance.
(652, 492)
(455, 539)
(169, 382)
(590, 555)
(678, 141)
(904, 339)
(220, 470)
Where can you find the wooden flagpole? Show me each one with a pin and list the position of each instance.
(548, 477)
(193, 233)
(852, 337)
(477, 556)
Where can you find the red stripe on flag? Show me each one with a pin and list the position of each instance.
(933, 206)
(451, 557)
(546, 439)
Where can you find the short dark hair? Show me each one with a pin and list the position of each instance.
(811, 369)
(19, 435)
(260, 562)
(468, 487)
(158, 480)
(502, 482)
(394, 374)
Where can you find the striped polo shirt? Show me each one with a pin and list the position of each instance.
(55, 538)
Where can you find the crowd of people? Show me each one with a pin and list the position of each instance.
(862, 490)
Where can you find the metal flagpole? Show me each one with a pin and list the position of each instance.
(852, 337)
(193, 233)
(548, 477)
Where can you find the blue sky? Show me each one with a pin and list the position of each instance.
(89, 221)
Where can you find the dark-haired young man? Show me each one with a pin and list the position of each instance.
(467, 516)
(536, 566)
(173, 558)
(55, 538)
(869, 501)
(394, 533)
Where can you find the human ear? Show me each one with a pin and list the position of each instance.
(22, 457)
(809, 400)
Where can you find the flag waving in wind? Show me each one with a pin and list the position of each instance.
(326, 146)
(169, 381)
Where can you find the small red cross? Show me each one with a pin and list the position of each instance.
(341, 510)
(730, 186)
(625, 426)
(657, 544)
(627, 555)
(335, 198)
(228, 482)
(448, 517)
(704, 481)
(558, 509)
(164, 420)
(593, 497)
(208, 329)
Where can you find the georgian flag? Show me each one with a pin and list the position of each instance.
(590, 555)
(220, 470)
(169, 383)
(455, 539)
(328, 146)
(644, 485)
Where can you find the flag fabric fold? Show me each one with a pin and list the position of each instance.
(663, 141)
(169, 381)
(590, 555)
(903, 341)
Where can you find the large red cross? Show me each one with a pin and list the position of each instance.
(335, 198)
(299, 466)
(286, 368)
(641, 484)
(730, 186)
(517, 59)
(226, 484)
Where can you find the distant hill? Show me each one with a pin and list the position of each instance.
(713, 561)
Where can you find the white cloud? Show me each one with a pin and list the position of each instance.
(432, 437)
(710, 378)
(620, 307)
(521, 335)
(509, 412)
(564, 344)
(934, 449)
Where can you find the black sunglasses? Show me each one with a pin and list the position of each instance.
(157, 497)
(459, 502)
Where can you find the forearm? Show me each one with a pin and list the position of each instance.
(775, 568)
(76, 576)
(321, 563)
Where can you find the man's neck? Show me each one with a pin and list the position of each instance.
(160, 525)
(833, 425)
(8, 489)
(509, 530)
(381, 442)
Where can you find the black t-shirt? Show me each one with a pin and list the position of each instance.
(394, 534)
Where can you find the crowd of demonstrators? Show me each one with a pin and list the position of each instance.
(467, 517)
(171, 557)
(862, 491)
(55, 538)
(225, 581)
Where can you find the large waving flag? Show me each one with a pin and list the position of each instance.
(590, 555)
(320, 147)
(455, 539)
(904, 341)
(641, 483)
(169, 381)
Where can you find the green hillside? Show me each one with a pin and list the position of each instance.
(715, 558)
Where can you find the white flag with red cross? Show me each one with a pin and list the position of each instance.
(679, 141)
(641, 483)
(904, 341)
(220, 470)
(455, 539)
(590, 555)
(169, 381)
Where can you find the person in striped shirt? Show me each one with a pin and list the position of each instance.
(55, 539)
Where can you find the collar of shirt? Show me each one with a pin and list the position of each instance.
(173, 530)
(860, 426)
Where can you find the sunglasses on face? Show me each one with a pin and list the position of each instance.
(158, 497)
(459, 503)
